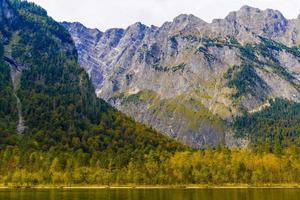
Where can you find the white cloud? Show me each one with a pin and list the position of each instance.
(105, 14)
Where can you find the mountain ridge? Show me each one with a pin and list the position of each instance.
(180, 16)
(203, 75)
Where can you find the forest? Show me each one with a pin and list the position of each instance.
(272, 129)
(213, 167)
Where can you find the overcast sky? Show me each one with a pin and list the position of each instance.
(104, 14)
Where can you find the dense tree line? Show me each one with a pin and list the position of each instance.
(202, 167)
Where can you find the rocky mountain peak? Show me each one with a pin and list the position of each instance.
(256, 12)
(248, 23)
(249, 9)
(268, 21)
(136, 31)
(188, 19)
(183, 23)
(137, 26)
(81, 29)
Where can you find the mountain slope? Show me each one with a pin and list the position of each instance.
(68, 137)
(190, 79)
(59, 109)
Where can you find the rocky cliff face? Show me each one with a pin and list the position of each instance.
(189, 79)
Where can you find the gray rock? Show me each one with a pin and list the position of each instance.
(178, 77)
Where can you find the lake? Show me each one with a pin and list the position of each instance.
(149, 194)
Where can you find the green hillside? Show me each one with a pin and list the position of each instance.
(61, 112)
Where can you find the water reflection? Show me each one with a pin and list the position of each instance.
(152, 194)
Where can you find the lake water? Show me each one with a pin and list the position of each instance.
(151, 194)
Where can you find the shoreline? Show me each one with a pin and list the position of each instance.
(228, 186)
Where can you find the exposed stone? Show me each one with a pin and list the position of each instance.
(173, 77)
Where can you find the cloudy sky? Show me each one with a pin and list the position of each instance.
(104, 14)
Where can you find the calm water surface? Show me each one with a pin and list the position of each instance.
(152, 194)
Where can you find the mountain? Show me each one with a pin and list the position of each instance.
(47, 103)
(54, 131)
(194, 81)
